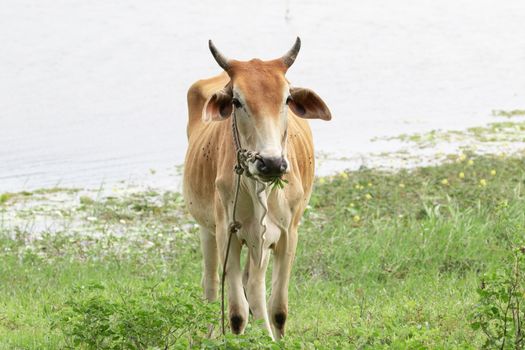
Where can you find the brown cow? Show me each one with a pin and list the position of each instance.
(270, 117)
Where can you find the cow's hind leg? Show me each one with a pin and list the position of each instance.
(282, 266)
(210, 276)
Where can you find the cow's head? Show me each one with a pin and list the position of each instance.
(260, 96)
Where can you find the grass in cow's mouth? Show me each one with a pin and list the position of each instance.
(385, 260)
(277, 182)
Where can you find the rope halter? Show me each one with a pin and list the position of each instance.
(244, 156)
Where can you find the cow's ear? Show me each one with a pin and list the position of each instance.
(219, 106)
(307, 104)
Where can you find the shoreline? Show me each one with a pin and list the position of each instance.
(505, 135)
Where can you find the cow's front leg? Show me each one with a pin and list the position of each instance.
(282, 266)
(237, 303)
(256, 291)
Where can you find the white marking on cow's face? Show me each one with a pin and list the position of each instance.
(264, 132)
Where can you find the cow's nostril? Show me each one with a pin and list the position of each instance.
(261, 167)
(284, 166)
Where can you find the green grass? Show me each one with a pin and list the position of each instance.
(385, 260)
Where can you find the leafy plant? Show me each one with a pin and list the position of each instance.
(135, 320)
(500, 313)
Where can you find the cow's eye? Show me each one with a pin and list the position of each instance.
(237, 103)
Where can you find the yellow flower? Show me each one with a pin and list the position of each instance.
(368, 196)
(470, 162)
(483, 182)
(361, 187)
(370, 184)
(352, 205)
(322, 180)
(461, 175)
(402, 185)
(343, 175)
(356, 218)
(356, 186)
(444, 182)
(462, 157)
(493, 172)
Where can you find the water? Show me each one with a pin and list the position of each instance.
(94, 92)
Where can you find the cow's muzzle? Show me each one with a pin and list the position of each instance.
(271, 167)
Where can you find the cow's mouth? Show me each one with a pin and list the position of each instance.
(263, 178)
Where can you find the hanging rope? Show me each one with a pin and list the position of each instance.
(243, 158)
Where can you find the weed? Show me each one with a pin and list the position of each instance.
(144, 319)
(499, 312)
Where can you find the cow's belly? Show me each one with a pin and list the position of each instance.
(200, 201)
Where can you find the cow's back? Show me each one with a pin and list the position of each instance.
(206, 143)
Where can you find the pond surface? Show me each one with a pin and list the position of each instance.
(94, 92)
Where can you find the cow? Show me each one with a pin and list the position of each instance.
(269, 116)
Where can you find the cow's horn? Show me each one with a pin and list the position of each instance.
(291, 55)
(219, 57)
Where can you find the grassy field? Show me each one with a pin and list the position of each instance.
(428, 258)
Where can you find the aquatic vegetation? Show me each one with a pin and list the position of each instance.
(509, 114)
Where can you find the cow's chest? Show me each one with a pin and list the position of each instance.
(264, 217)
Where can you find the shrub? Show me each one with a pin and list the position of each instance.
(500, 311)
(144, 319)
